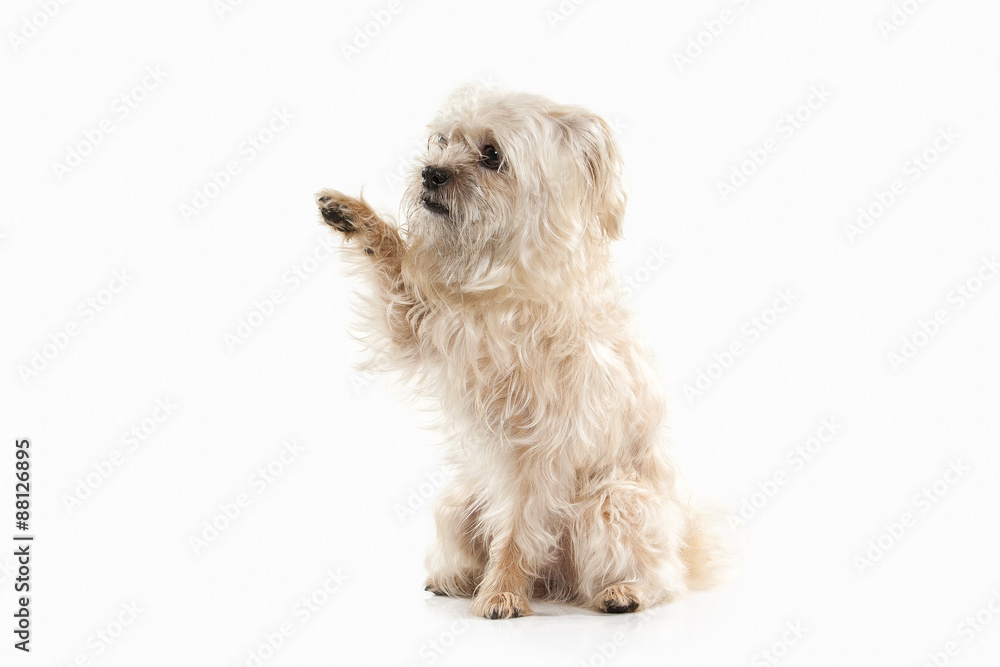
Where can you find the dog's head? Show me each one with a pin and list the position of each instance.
(514, 191)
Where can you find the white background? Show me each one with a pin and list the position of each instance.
(353, 501)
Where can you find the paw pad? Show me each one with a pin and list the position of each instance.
(335, 214)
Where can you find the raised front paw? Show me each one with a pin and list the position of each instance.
(338, 210)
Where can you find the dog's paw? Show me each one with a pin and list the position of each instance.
(618, 599)
(338, 210)
(432, 588)
(501, 605)
(457, 585)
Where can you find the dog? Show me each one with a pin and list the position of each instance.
(499, 301)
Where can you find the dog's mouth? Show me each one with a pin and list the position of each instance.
(433, 206)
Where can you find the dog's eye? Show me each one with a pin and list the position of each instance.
(437, 140)
(490, 157)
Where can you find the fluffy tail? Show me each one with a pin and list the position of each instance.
(711, 548)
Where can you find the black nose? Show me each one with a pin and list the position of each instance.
(433, 178)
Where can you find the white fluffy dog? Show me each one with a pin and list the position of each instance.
(500, 300)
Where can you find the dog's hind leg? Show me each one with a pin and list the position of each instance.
(626, 548)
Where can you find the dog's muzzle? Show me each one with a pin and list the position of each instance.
(432, 179)
(433, 206)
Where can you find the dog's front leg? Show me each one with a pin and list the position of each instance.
(384, 250)
(519, 518)
(506, 586)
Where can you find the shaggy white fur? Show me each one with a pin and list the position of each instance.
(500, 301)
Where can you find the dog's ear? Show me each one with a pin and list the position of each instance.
(593, 142)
